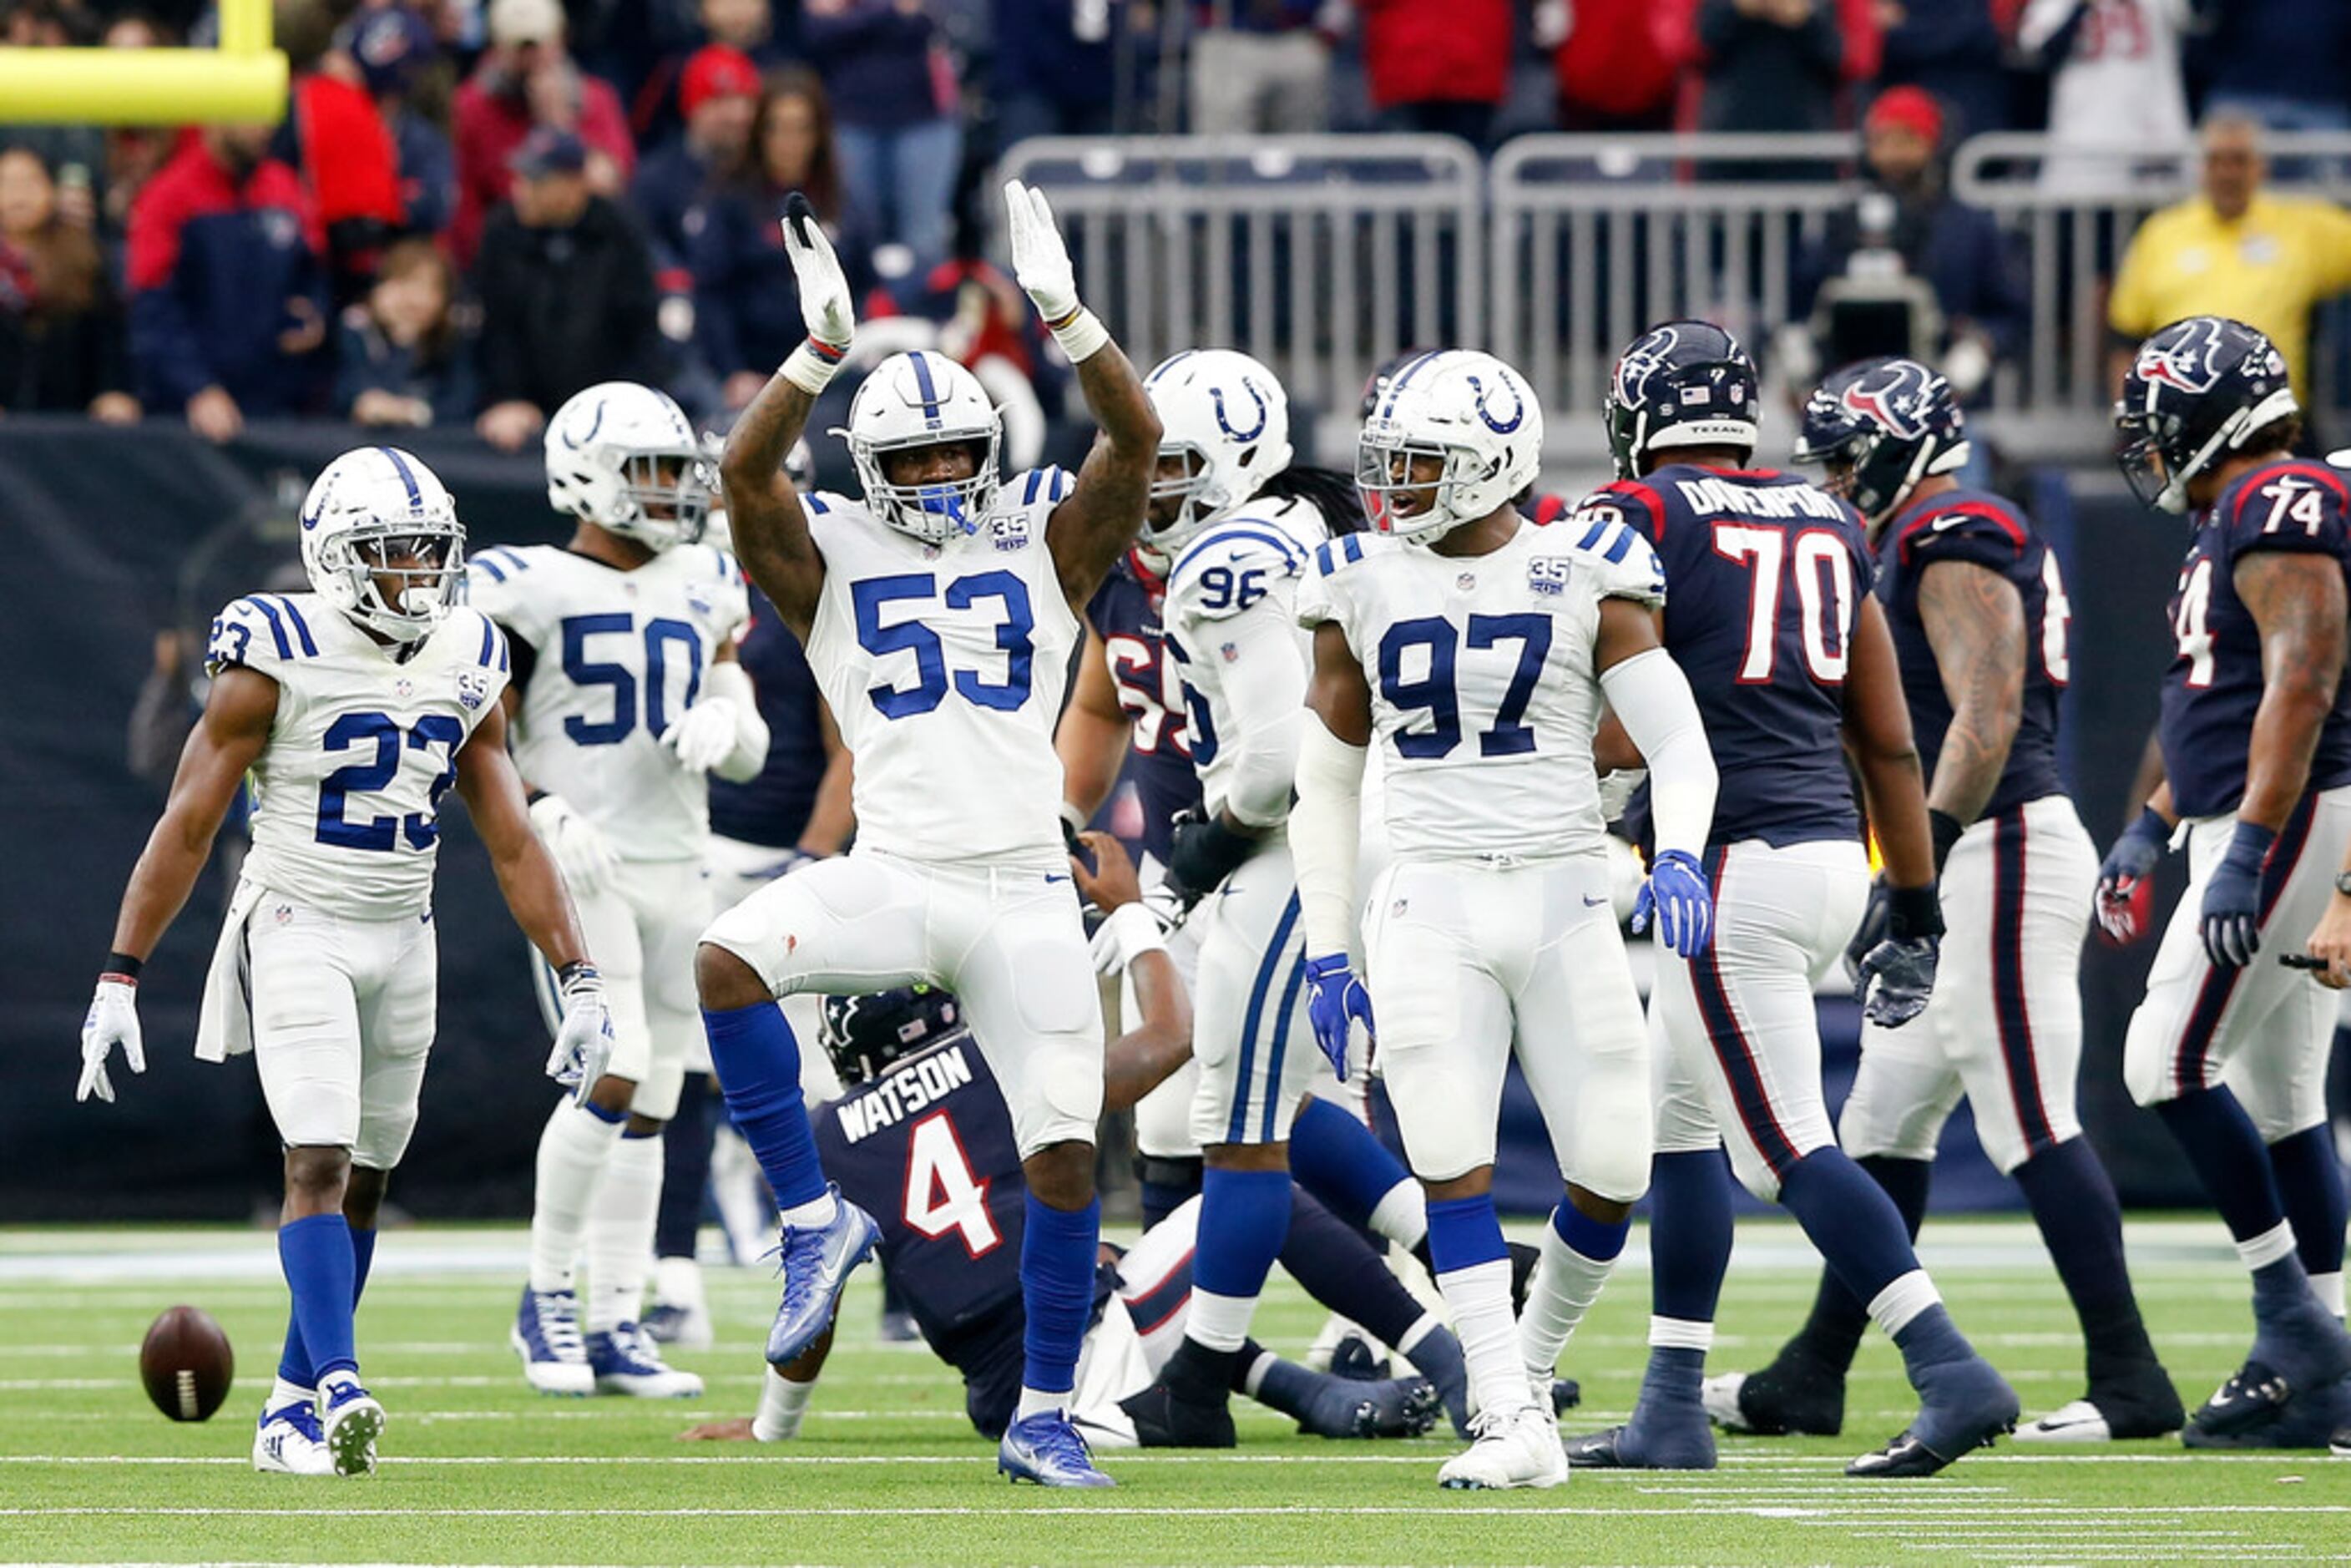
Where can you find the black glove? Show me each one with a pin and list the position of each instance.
(1201, 852)
(1896, 977)
(1871, 932)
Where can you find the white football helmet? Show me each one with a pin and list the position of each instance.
(626, 458)
(375, 506)
(1228, 415)
(1472, 413)
(916, 400)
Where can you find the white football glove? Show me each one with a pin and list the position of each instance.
(705, 738)
(1039, 258)
(582, 853)
(1131, 931)
(825, 304)
(583, 1040)
(112, 1019)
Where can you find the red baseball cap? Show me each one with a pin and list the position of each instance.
(714, 71)
(1914, 109)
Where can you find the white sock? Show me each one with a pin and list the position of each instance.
(814, 1214)
(1679, 1333)
(2328, 1289)
(571, 1154)
(1565, 1285)
(1219, 1323)
(621, 1233)
(1480, 1299)
(282, 1394)
(1910, 1294)
(1254, 1379)
(1401, 1215)
(677, 1282)
(782, 1403)
(1037, 1402)
(1418, 1331)
(2269, 1247)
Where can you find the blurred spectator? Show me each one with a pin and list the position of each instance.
(133, 154)
(342, 147)
(749, 25)
(746, 26)
(1613, 67)
(227, 295)
(2282, 64)
(393, 48)
(1056, 65)
(566, 289)
(719, 93)
(747, 306)
(61, 341)
(1909, 269)
(525, 80)
(2235, 250)
(1437, 66)
(894, 94)
(2114, 84)
(1774, 65)
(401, 355)
(1257, 66)
(1951, 48)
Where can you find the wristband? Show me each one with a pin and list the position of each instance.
(1913, 912)
(2248, 846)
(812, 365)
(122, 966)
(2151, 826)
(576, 971)
(1946, 829)
(1074, 817)
(1081, 334)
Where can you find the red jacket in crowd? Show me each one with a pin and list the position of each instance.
(1616, 62)
(487, 127)
(1436, 51)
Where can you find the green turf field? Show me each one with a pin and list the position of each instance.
(478, 1470)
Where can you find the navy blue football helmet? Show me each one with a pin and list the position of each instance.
(864, 1035)
(1681, 383)
(2197, 390)
(1881, 426)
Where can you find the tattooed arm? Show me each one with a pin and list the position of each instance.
(2297, 602)
(771, 531)
(1975, 622)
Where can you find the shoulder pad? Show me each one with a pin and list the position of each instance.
(1230, 567)
(2292, 505)
(1048, 486)
(1338, 552)
(259, 632)
(499, 563)
(1966, 528)
(1620, 500)
(1619, 560)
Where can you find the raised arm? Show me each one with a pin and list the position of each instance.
(770, 529)
(1104, 510)
(1975, 624)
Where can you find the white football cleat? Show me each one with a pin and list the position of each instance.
(288, 1441)
(546, 1334)
(353, 1421)
(1720, 1395)
(625, 1362)
(1515, 1447)
(2080, 1422)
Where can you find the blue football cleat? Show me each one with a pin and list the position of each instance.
(353, 1421)
(546, 1334)
(1962, 1405)
(625, 1362)
(1050, 1450)
(2306, 1419)
(2298, 1347)
(816, 1264)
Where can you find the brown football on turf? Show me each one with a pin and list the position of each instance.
(186, 1364)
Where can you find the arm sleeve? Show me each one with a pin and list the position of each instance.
(1326, 835)
(1650, 695)
(1265, 686)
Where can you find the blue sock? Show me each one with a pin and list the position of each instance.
(2081, 1223)
(1337, 1159)
(758, 1063)
(2310, 1184)
(1056, 1287)
(294, 1361)
(1931, 1339)
(1833, 1332)
(362, 1259)
(2230, 1159)
(1598, 1239)
(1463, 1232)
(1850, 1219)
(316, 1254)
(1689, 1235)
(1244, 1218)
(1338, 1267)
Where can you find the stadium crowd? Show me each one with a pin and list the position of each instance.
(472, 210)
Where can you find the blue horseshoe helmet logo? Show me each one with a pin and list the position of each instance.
(1518, 407)
(1264, 414)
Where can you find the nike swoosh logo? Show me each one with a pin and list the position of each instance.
(1941, 524)
(1053, 879)
(1591, 902)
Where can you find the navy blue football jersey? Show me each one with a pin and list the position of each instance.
(1125, 615)
(927, 1149)
(1979, 527)
(2214, 684)
(1765, 579)
(773, 806)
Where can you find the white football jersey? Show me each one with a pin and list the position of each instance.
(945, 666)
(362, 748)
(1238, 574)
(1484, 695)
(615, 658)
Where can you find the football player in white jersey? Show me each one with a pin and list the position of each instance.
(355, 707)
(940, 613)
(626, 694)
(1474, 649)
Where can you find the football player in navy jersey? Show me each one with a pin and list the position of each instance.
(2230, 1047)
(1793, 669)
(1977, 604)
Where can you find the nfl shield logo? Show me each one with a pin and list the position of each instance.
(1232, 652)
(405, 688)
(1466, 582)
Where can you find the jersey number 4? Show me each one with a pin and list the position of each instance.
(943, 1193)
(913, 636)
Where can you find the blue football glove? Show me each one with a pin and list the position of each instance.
(2126, 878)
(1678, 898)
(2232, 899)
(1335, 998)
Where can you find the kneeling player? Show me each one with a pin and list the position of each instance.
(356, 707)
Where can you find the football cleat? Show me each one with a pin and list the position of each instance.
(1383, 1407)
(1436, 1355)
(1514, 1448)
(353, 1421)
(1164, 1421)
(688, 1328)
(2307, 1420)
(624, 1361)
(1662, 1436)
(816, 1263)
(2340, 1444)
(546, 1334)
(1794, 1393)
(288, 1441)
(2297, 1345)
(1048, 1449)
(2145, 1405)
(1962, 1406)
